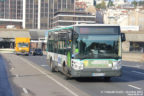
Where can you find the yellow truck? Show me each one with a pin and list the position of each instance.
(22, 45)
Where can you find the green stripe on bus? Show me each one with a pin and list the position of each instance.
(100, 59)
(68, 59)
(60, 29)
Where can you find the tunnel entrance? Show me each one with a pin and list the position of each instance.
(6, 43)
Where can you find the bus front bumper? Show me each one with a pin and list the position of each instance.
(96, 73)
(22, 53)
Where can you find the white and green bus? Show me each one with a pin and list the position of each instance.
(85, 50)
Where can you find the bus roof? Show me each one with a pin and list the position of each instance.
(57, 29)
(70, 27)
(96, 25)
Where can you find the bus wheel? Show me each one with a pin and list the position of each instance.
(107, 78)
(52, 68)
(27, 55)
(66, 73)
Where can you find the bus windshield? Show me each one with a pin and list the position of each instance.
(96, 47)
(22, 44)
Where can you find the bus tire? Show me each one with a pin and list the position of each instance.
(52, 68)
(27, 54)
(66, 72)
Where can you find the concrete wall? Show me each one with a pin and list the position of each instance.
(13, 33)
(126, 46)
(136, 57)
(132, 37)
(135, 36)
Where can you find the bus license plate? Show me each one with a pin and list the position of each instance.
(98, 74)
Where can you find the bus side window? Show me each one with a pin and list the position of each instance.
(63, 48)
(50, 46)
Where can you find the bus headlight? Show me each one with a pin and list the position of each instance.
(77, 65)
(117, 65)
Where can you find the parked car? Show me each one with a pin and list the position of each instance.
(37, 52)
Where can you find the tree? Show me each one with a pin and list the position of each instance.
(134, 3)
(98, 6)
(103, 5)
(110, 3)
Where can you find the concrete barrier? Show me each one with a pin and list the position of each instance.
(7, 50)
(136, 57)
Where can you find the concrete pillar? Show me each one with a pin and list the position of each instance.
(126, 46)
(48, 14)
(24, 15)
(61, 5)
(39, 13)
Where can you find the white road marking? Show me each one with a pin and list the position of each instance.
(137, 66)
(60, 84)
(16, 75)
(138, 72)
(43, 65)
(134, 87)
(25, 90)
(12, 69)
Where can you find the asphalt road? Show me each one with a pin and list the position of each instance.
(131, 83)
(5, 88)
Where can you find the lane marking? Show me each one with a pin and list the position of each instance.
(25, 90)
(60, 84)
(138, 72)
(43, 65)
(134, 87)
(137, 66)
(17, 76)
(12, 69)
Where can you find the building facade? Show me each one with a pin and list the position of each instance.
(11, 12)
(83, 4)
(100, 1)
(41, 14)
(88, 2)
(67, 18)
(31, 14)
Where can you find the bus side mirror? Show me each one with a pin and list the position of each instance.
(123, 37)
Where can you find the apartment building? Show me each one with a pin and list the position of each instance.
(11, 13)
(31, 14)
(67, 18)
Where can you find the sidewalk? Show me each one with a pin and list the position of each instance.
(29, 80)
(5, 88)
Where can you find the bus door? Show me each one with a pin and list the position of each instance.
(56, 48)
